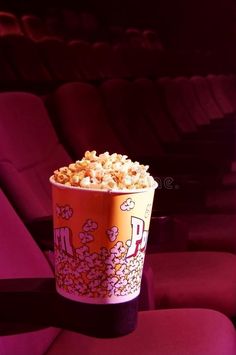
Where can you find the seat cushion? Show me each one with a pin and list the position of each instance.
(164, 332)
(195, 279)
(32, 343)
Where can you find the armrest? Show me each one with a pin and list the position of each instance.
(36, 302)
(42, 231)
(167, 234)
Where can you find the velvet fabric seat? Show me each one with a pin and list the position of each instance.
(9, 24)
(34, 27)
(61, 69)
(29, 153)
(169, 332)
(211, 232)
(22, 54)
(84, 60)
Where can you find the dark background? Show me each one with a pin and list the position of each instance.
(186, 24)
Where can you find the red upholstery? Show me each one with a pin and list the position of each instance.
(22, 53)
(212, 232)
(228, 85)
(190, 100)
(191, 331)
(19, 254)
(21, 257)
(82, 120)
(57, 58)
(34, 27)
(152, 105)
(165, 332)
(121, 64)
(222, 200)
(205, 98)
(9, 24)
(104, 57)
(174, 104)
(219, 94)
(151, 40)
(195, 280)
(122, 103)
(83, 54)
(29, 153)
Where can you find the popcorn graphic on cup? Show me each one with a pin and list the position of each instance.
(127, 205)
(112, 233)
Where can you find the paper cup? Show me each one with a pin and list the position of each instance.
(100, 239)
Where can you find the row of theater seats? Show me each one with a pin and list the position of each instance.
(187, 137)
(183, 330)
(184, 128)
(25, 62)
(60, 23)
(66, 24)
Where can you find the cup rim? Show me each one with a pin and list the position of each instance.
(111, 191)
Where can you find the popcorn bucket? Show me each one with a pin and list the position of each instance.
(100, 239)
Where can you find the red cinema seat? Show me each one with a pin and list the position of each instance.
(206, 99)
(24, 58)
(9, 24)
(104, 57)
(211, 231)
(29, 153)
(182, 118)
(57, 58)
(219, 94)
(120, 99)
(190, 100)
(83, 54)
(169, 332)
(194, 279)
(228, 85)
(81, 120)
(34, 27)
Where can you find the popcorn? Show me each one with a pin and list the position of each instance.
(105, 172)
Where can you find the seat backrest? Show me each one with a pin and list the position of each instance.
(83, 53)
(191, 101)
(104, 57)
(205, 97)
(175, 105)
(29, 153)
(154, 110)
(20, 257)
(219, 94)
(121, 63)
(9, 24)
(57, 58)
(229, 87)
(22, 53)
(81, 119)
(34, 27)
(127, 118)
